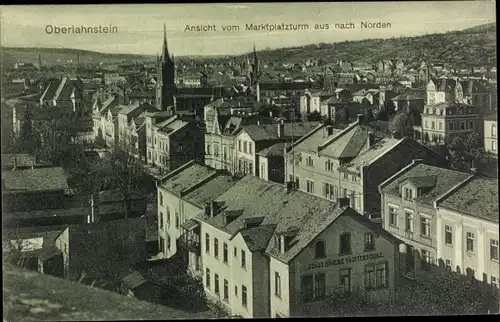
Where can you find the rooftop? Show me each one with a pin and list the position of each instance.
(266, 132)
(35, 180)
(477, 198)
(30, 296)
(276, 211)
(277, 149)
(441, 180)
(210, 189)
(187, 178)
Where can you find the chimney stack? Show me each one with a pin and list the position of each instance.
(371, 139)
(361, 118)
(343, 202)
(281, 129)
(94, 212)
(329, 130)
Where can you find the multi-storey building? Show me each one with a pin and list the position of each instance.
(445, 218)
(253, 138)
(221, 127)
(443, 121)
(105, 123)
(182, 194)
(173, 142)
(491, 134)
(131, 128)
(269, 251)
(351, 163)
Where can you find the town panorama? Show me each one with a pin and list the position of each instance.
(321, 177)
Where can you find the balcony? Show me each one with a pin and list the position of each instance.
(190, 242)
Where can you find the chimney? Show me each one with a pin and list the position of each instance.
(94, 212)
(281, 129)
(343, 202)
(270, 113)
(361, 118)
(329, 130)
(213, 208)
(371, 139)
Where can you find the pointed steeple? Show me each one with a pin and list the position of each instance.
(165, 46)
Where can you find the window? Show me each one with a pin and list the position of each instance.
(329, 191)
(425, 227)
(216, 150)
(462, 125)
(224, 253)
(250, 147)
(161, 199)
(236, 290)
(250, 167)
(448, 264)
(320, 251)
(408, 193)
(470, 242)
(369, 242)
(433, 125)
(493, 130)
(409, 222)
(309, 186)
(161, 219)
(346, 176)
(494, 283)
(345, 280)
(243, 259)
(329, 166)
(393, 216)
(262, 171)
(297, 183)
(226, 290)
(177, 220)
(207, 277)
(235, 252)
(169, 242)
(494, 249)
(168, 216)
(309, 162)
(448, 235)
(207, 243)
(307, 288)
(216, 283)
(426, 260)
(440, 125)
(471, 125)
(277, 284)
(245, 150)
(493, 145)
(382, 275)
(319, 285)
(345, 243)
(244, 295)
(216, 248)
(426, 124)
(369, 276)
(239, 145)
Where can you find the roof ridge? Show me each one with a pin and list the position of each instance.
(338, 135)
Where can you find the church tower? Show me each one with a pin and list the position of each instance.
(253, 74)
(165, 86)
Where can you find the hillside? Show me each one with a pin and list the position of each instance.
(53, 56)
(468, 47)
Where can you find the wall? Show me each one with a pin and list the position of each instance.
(247, 158)
(331, 236)
(280, 305)
(233, 272)
(172, 204)
(479, 260)
(490, 136)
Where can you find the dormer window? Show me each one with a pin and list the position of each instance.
(408, 193)
(320, 250)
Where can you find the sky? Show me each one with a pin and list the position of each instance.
(140, 26)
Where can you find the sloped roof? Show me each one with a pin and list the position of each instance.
(187, 178)
(33, 180)
(476, 198)
(277, 149)
(210, 189)
(442, 180)
(257, 238)
(134, 280)
(266, 132)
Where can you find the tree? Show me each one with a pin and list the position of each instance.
(466, 152)
(124, 172)
(401, 125)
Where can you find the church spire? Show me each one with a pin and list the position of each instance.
(165, 46)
